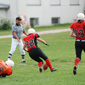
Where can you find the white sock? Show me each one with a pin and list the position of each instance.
(8, 58)
(23, 59)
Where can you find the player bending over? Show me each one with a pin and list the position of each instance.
(78, 31)
(6, 68)
(34, 52)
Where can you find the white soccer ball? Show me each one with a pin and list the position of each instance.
(10, 63)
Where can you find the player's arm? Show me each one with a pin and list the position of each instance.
(14, 33)
(25, 33)
(24, 47)
(16, 36)
(72, 33)
(41, 40)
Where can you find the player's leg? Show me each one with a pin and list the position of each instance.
(40, 62)
(20, 45)
(84, 46)
(37, 59)
(42, 55)
(13, 48)
(78, 49)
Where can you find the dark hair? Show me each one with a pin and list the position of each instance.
(18, 18)
(80, 21)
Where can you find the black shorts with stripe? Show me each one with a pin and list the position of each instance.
(36, 54)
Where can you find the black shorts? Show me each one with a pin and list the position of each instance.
(36, 54)
(79, 46)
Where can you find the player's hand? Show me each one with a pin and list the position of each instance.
(19, 41)
(26, 50)
(47, 44)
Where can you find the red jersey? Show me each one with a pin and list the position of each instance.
(5, 69)
(30, 41)
(79, 30)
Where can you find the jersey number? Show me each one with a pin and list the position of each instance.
(1, 69)
(30, 43)
(79, 33)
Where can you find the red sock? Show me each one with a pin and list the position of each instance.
(49, 63)
(40, 64)
(77, 61)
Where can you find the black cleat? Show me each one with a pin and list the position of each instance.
(74, 70)
(54, 69)
(40, 69)
(24, 61)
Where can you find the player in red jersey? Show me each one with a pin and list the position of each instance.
(5, 69)
(34, 52)
(78, 31)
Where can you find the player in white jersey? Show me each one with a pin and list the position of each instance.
(17, 30)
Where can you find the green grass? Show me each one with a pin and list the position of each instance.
(41, 28)
(61, 53)
(61, 26)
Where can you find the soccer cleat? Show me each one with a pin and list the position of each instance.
(40, 69)
(54, 69)
(74, 70)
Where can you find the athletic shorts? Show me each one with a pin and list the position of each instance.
(79, 46)
(36, 54)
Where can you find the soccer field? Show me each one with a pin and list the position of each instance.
(61, 53)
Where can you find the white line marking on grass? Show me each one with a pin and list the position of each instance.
(24, 64)
(41, 32)
(5, 36)
(20, 64)
(53, 31)
(32, 65)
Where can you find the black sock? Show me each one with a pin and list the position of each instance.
(23, 56)
(9, 55)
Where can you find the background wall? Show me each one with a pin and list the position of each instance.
(44, 10)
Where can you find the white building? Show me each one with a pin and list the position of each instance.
(42, 12)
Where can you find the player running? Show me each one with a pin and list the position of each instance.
(6, 68)
(78, 31)
(34, 52)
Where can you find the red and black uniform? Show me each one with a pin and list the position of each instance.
(34, 52)
(79, 30)
(5, 70)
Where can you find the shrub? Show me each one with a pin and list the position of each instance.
(5, 24)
